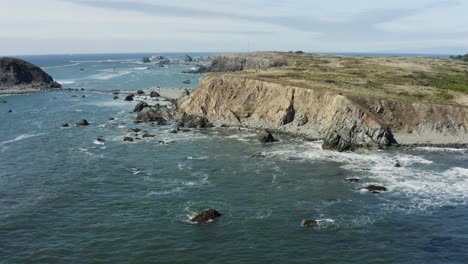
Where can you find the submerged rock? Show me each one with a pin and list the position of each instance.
(259, 155)
(134, 130)
(147, 135)
(308, 223)
(3, 101)
(266, 137)
(140, 106)
(353, 179)
(10, 111)
(65, 125)
(194, 121)
(186, 82)
(206, 216)
(82, 122)
(375, 188)
(128, 139)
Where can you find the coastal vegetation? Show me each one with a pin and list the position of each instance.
(460, 57)
(402, 78)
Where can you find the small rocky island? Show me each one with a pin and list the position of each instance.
(17, 76)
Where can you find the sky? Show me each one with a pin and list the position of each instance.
(116, 26)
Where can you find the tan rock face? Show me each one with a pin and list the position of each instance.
(343, 123)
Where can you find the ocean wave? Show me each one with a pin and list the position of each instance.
(417, 186)
(140, 68)
(21, 137)
(101, 61)
(107, 76)
(65, 82)
(61, 66)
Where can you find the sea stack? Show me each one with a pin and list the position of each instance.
(17, 75)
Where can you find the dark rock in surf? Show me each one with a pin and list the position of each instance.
(188, 58)
(154, 94)
(147, 135)
(128, 139)
(266, 137)
(375, 188)
(259, 155)
(10, 111)
(145, 60)
(134, 130)
(194, 121)
(397, 164)
(65, 125)
(116, 97)
(206, 216)
(308, 223)
(3, 102)
(82, 122)
(159, 114)
(100, 140)
(129, 97)
(352, 179)
(140, 92)
(140, 106)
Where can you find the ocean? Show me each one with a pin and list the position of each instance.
(67, 198)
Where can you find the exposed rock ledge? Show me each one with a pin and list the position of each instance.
(344, 123)
(241, 62)
(17, 75)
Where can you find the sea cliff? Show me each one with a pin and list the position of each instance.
(343, 120)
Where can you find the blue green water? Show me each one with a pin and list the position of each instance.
(117, 71)
(66, 199)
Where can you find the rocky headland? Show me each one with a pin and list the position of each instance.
(18, 76)
(348, 102)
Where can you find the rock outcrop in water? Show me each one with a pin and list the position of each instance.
(159, 114)
(18, 75)
(206, 216)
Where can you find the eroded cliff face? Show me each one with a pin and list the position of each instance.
(343, 123)
(241, 62)
(302, 112)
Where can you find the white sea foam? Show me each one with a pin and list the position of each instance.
(415, 186)
(107, 75)
(21, 137)
(140, 68)
(66, 82)
(61, 66)
(96, 142)
(166, 192)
